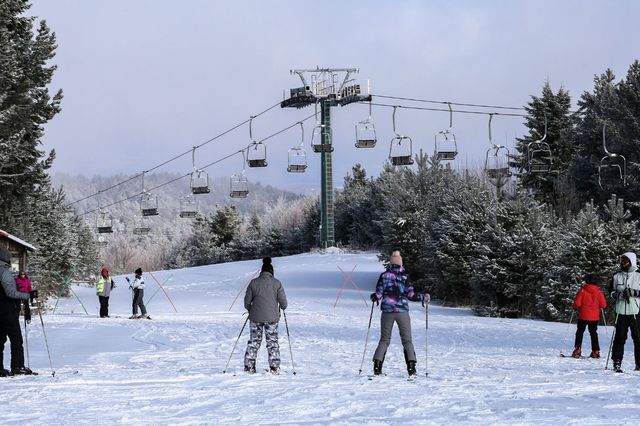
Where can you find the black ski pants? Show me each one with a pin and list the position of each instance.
(593, 332)
(10, 327)
(104, 306)
(623, 324)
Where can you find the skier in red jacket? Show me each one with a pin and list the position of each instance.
(588, 302)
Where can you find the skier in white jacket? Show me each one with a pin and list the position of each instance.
(138, 295)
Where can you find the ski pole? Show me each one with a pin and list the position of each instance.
(26, 339)
(564, 342)
(366, 340)
(425, 302)
(604, 322)
(289, 340)
(613, 335)
(234, 345)
(46, 342)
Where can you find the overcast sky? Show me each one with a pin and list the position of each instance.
(145, 80)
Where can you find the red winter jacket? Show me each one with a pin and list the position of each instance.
(589, 301)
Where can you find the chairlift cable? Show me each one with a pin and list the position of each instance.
(175, 157)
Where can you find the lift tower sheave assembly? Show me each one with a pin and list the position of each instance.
(327, 87)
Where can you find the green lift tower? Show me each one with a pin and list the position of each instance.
(325, 88)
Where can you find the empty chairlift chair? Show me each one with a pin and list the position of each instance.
(199, 178)
(188, 207)
(141, 226)
(256, 151)
(366, 133)
(104, 223)
(496, 165)
(297, 157)
(239, 186)
(149, 204)
(401, 149)
(446, 147)
(612, 171)
(539, 156)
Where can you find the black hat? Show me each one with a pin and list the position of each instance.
(138, 271)
(590, 278)
(266, 265)
(5, 255)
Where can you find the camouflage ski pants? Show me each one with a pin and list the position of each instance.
(255, 340)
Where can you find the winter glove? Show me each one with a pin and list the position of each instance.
(127, 278)
(373, 297)
(615, 295)
(626, 294)
(33, 294)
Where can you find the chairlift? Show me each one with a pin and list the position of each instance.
(199, 178)
(401, 149)
(141, 226)
(188, 206)
(148, 201)
(366, 133)
(446, 147)
(149, 204)
(539, 156)
(239, 186)
(256, 151)
(297, 157)
(612, 171)
(317, 139)
(104, 223)
(496, 165)
(101, 241)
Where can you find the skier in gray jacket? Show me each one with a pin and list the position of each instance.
(264, 299)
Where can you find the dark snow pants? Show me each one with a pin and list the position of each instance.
(10, 327)
(386, 326)
(138, 295)
(593, 332)
(104, 306)
(255, 340)
(623, 324)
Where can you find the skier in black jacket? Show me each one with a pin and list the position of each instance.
(9, 324)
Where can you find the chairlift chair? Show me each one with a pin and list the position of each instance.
(366, 133)
(316, 140)
(149, 204)
(188, 207)
(496, 164)
(612, 171)
(199, 182)
(104, 223)
(239, 186)
(257, 155)
(446, 147)
(297, 157)
(141, 226)
(101, 242)
(401, 149)
(539, 156)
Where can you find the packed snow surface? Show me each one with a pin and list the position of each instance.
(169, 370)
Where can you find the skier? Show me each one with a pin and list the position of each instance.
(9, 324)
(23, 285)
(588, 302)
(138, 295)
(624, 288)
(103, 289)
(395, 289)
(264, 298)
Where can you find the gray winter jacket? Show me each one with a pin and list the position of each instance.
(262, 298)
(9, 283)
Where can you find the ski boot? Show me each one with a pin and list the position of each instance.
(274, 370)
(617, 365)
(251, 369)
(577, 353)
(4, 373)
(595, 354)
(411, 368)
(22, 371)
(377, 367)
(637, 367)
(133, 317)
